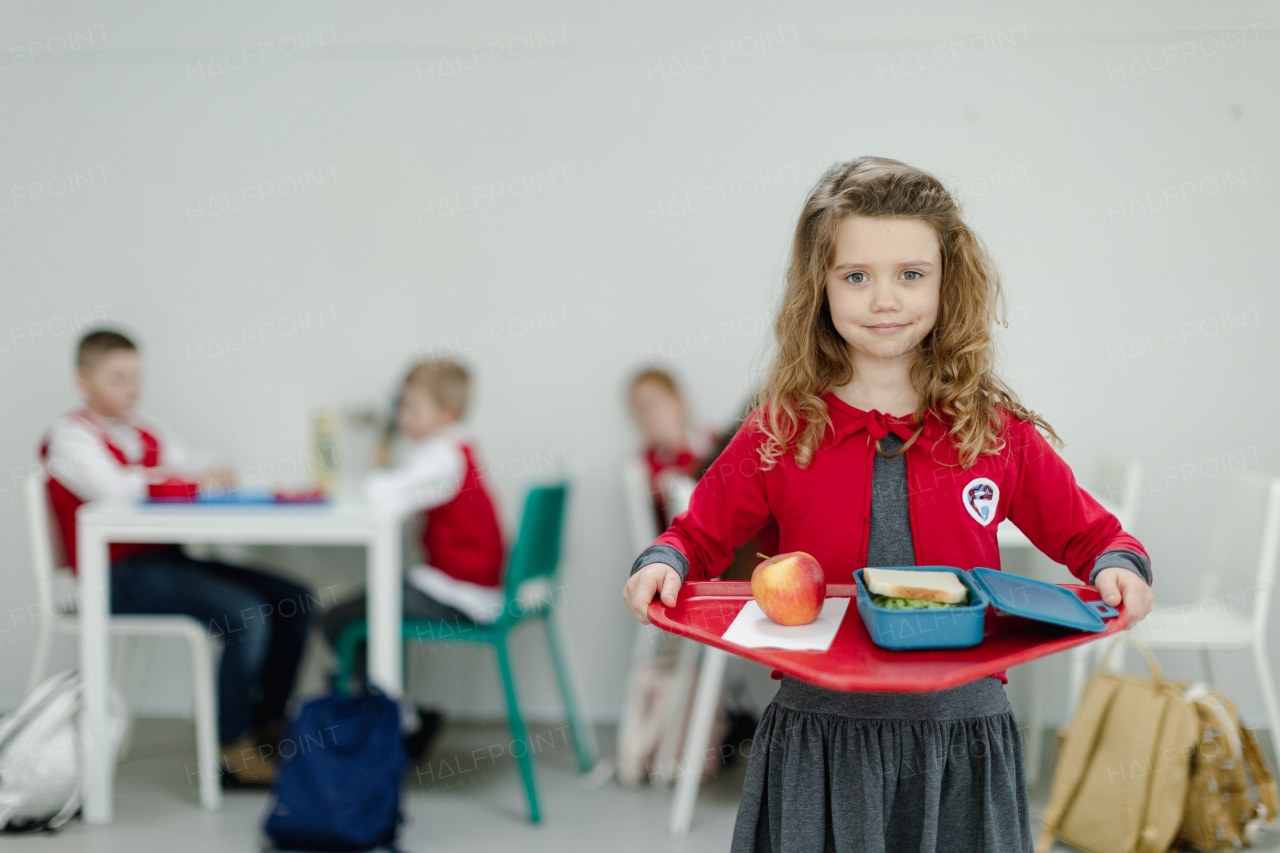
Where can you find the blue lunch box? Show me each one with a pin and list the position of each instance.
(960, 627)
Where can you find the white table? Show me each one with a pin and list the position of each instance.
(100, 522)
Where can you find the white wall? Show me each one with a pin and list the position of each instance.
(1120, 162)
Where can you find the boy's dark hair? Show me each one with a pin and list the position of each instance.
(98, 343)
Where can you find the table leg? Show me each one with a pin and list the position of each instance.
(386, 650)
(95, 655)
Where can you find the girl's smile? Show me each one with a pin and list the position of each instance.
(888, 328)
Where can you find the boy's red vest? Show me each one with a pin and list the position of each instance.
(461, 538)
(65, 502)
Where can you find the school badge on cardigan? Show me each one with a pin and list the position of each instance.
(980, 498)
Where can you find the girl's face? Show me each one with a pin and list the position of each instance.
(659, 414)
(419, 415)
(884, 285)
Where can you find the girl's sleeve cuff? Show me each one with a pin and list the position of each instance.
(663, 554)
(1120, 559)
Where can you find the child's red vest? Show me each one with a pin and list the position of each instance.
(682, 460)
(825, 509)
(64, 502)
(461, 538)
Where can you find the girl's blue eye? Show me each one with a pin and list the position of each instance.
(913, 275)
(856, 277)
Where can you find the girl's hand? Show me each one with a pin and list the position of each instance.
(645, 584)
(1121, 584)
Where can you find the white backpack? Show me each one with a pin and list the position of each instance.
(40, 755)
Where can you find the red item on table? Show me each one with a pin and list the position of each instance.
(174, 489)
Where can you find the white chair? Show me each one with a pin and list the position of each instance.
(634, 725)
(674, 735)
(57, 616)
(1117, 488)
(1232, 604)
(650, 641)
(706, 702)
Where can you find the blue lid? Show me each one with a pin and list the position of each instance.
(237, 497)
(1043, 602)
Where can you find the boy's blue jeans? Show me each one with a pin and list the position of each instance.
(260, 619)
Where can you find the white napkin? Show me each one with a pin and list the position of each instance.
(754, 630)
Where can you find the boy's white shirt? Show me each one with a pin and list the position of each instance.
(431, 476)
(79, 459)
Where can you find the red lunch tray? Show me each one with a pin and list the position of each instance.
(704, 611)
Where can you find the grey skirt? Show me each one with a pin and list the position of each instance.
(885, 772)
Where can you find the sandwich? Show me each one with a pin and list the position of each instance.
(903, 589)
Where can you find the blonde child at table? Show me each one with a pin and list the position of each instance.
(439, 476)
(883, 437)
(107, 450)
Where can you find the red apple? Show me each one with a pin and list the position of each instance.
(789, 588)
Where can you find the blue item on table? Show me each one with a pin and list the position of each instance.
(249, 497)
(237, 497)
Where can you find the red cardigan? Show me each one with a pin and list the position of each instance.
(825, 509)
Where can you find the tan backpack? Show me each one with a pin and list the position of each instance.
(1220, 813)
(1122, 775)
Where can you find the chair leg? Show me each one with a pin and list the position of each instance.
(348, 641)
(131, 669)
(1039, 684)
(519, 734)
(705, 704)
(44, 650)
(583, 735)
(1268, 686)
(205, 694)
(1080, 656)
(674, 713)
(1207, 667)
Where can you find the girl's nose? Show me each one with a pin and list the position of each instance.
(883, 299)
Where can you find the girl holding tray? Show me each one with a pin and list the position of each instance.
(883, 437)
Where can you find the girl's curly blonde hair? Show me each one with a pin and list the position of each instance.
(953, 374)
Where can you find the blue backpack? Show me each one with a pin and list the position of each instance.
(338, 773)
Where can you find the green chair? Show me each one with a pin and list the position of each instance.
(536, 555)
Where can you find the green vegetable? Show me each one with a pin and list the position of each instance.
(912, 603)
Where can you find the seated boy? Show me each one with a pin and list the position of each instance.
(106, 450)
(462, 549)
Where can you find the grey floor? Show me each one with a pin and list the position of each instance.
(455, 802)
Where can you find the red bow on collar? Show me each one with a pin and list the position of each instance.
(879, 425)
